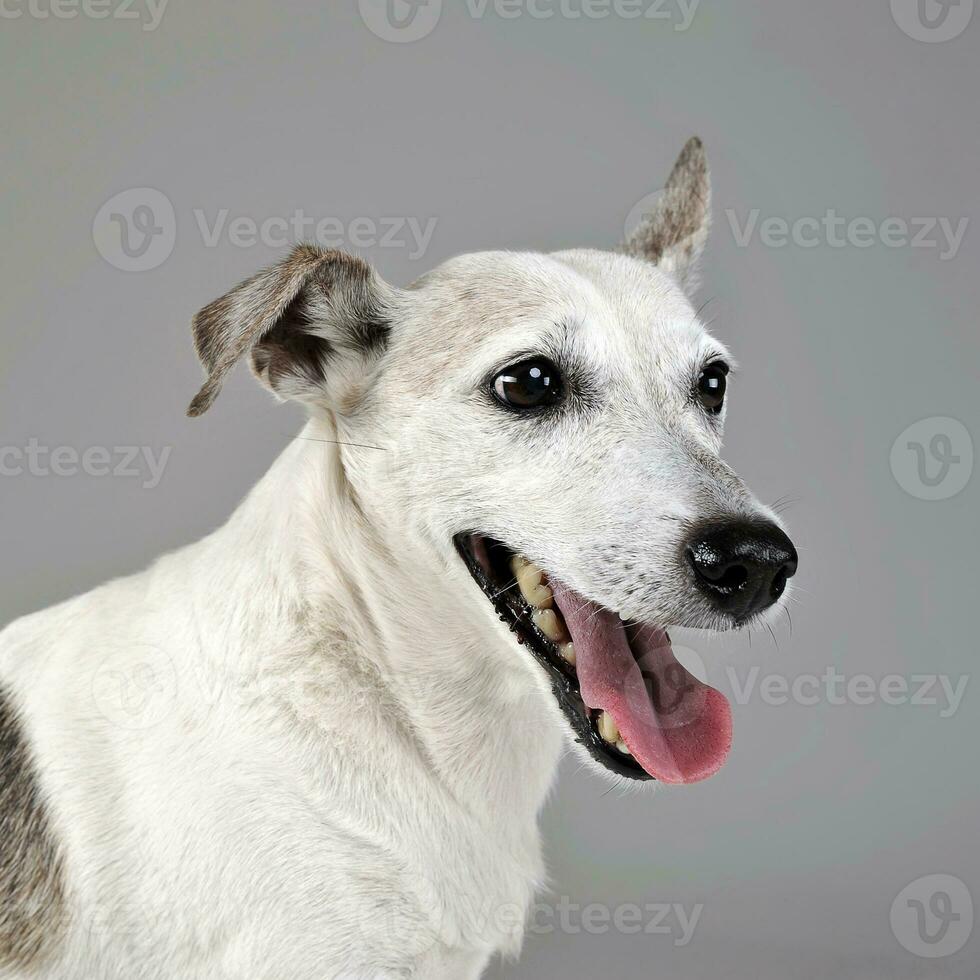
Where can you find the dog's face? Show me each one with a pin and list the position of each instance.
(552, 427)
(571, 406)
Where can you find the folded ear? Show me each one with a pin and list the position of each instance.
(296, 320)
(674, 234)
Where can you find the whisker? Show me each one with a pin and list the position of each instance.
(774, 640)
(337, 442)
(509, 585)
(782, 504)
(702, 307)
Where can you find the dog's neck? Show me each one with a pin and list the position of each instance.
(327, 586)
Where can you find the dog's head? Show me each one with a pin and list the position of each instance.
(553, 424)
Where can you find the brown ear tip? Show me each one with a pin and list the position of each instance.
(694, 151)
(692, 163)
(202, 402)
(305, 252)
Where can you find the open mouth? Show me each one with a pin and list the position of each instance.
(633, 706)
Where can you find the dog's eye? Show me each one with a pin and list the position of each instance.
(534, 383)
(711, 387)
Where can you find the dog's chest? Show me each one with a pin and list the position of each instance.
(299, 875)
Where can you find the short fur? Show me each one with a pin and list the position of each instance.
(305, 747)
(32, 899)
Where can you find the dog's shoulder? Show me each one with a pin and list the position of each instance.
(33, 886)
(49, 722)
(60, 639)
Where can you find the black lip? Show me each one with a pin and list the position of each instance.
(514, 611)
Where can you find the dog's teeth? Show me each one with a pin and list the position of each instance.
(607, 728)
(548, 622)
(532, 583)
(567, 651)
(621, 745)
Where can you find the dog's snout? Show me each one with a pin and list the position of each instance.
(742, 566)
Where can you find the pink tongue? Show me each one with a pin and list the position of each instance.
(679, 733)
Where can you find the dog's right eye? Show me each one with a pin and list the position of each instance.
(535, 383)
(711, 387)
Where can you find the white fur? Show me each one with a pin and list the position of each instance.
(348, 752)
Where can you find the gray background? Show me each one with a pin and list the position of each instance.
(544, 133)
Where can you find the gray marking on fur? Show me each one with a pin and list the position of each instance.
(674, 234)
(32, 901)
(276, 314)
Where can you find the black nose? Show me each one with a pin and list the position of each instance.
(742, 566)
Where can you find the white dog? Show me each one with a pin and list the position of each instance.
(346, 707)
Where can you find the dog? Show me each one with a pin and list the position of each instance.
(316, 743)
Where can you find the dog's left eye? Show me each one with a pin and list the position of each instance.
(711, 387)
(533, 383)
